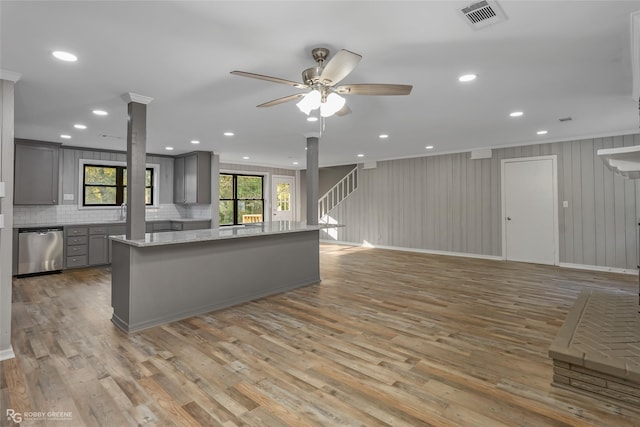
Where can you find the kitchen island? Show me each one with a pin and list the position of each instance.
(174, 275)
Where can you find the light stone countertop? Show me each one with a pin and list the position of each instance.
(109, 222)
(210, 234)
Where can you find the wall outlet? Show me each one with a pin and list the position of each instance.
(1, 220)
(565, 204)
(2, 193)
(67, 196)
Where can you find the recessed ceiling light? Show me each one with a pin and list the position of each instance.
(296, 163)
(542, 132)
(229, 134)
(79, 126)
(360, 155)
(100, 113)
(168, 148)
(516, 114)
(65, 136)
(383, 136)
(245, 158)
(429, 147)
(312, 119)
(467, 78)
(64, 56)
(195, 141)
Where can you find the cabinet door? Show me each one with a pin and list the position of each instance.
(196, 225)
(178, 180)
(191, 179)
(114, 230)
(98, 249)
(204, 178)
(36, 173)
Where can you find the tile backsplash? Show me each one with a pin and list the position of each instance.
(70, 214)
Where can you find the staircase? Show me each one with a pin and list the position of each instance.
(337, 194)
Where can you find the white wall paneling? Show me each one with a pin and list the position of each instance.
(451, 203)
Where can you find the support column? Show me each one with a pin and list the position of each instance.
(312, 179)
(8, 80)
(215, 190)
(136, 163)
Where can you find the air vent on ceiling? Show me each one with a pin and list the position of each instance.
(482, 14)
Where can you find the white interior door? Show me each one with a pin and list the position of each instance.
(283, 193)
(529, 200)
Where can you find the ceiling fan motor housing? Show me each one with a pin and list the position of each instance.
(320, 54)
(311, 75)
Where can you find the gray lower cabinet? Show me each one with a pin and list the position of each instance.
(89, 245)
(192, 178)
(190, 225)
(36, 173)
(161, 226)
(114, 230)
(76, 246)
(98, 245)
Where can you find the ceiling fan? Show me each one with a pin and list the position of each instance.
(322, 81)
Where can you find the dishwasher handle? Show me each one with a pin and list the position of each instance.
(42, 231)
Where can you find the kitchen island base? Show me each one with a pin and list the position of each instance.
(155, 283)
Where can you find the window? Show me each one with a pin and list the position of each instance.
(241, 199)
(106, 185)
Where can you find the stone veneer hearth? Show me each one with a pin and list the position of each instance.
(597, 350)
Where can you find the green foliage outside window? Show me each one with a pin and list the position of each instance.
(241, 195)
(107, 185)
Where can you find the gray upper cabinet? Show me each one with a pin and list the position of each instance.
(178, 180)
(36, 173)
(192, 178)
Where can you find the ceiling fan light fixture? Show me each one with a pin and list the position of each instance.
(309, 102)
(332, 105)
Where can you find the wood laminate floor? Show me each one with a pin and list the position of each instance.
(387, 338)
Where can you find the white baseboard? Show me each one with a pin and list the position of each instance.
(7, 354)
(480, 256)
(599, 268)
(418, 250)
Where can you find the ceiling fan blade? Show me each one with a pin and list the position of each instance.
(339, 67)
(343, 111)
(282, 100)
(374, 89)
(270, 79)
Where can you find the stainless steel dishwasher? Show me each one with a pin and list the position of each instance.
(40, 250)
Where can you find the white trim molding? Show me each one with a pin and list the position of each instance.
(7, 354)
(480, 256)
(134, 97)
(10, 75)
(98, 162)
(635, 54)
(556, 220)
(366, 244)
(598, 268)
(266, 188)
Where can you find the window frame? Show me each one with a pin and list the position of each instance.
(155, 190)
(235, 174)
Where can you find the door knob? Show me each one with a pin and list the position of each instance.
(508, 218)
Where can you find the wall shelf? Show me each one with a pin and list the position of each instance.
(622, 160)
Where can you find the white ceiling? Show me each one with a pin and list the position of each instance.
(550, 59)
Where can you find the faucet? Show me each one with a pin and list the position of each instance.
(123, 211)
